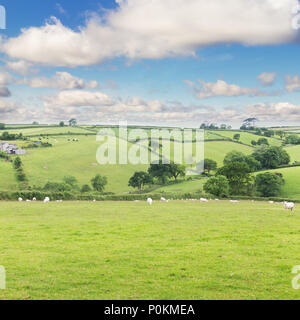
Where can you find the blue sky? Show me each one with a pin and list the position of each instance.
(153, 63)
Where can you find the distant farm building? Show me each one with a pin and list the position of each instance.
(11, 149)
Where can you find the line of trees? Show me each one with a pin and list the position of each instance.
(236, 175)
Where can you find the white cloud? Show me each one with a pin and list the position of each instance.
(62, 81)
(20, 67)
(276, 112)
(267, 78)
(292, 83)
(221, 89)
(155, 29)
(6, 79)
(77, 98)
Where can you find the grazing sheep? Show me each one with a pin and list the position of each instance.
(149, 201)
(162, 199)
(289, 205)
(28, 200)
(34, 199)
(46, 200)
(94, 200)
(217, 200)
(203, 200)
(20, 199)
(233, 201)
(271, 202)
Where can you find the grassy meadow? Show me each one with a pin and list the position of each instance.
(128, 250)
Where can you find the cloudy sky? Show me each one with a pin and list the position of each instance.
(170, 62)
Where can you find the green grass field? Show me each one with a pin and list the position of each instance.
(291, 188)
(247, 137)
(176, 250)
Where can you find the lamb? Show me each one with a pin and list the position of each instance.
(149, 201)
(289, 205)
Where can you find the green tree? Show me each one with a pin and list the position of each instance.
(210, 165)
(139, 179)
(217, 186)
(236, 156)
(86, 188)
(70, 180)
(160, 171)
(99, 183)
(176, 170)
(268, 184)
(61, 124)
(272, 157)
(292, 139)
(238, 175)
(2, 126)
(17, 163)
(253, 142)
(237, 137)
(263, 141)
(72, 122)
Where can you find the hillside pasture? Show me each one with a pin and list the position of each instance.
(177, 250)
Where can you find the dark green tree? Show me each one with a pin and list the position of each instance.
(268, 184)
(99, 183)
(217, 186)
(86, 188)
(18, 163)
(160, 171)
(210, 165)
(139, 179)
(272, 157)
(238, 175)
(176, 170)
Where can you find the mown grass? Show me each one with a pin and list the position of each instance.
(175, 250)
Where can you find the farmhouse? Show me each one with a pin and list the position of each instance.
(11, 148)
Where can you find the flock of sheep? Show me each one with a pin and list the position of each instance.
(287, 205)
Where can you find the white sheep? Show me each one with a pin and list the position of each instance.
(46, 200)
(233, 201)
(20, 199)
(149, 201)
(289, 205)
(271, 202)
(34, 199)
(162, 199)
(203, 200)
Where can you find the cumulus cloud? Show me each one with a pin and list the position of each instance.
(292, 83)
(77, 98)
(282, 111)
(155, 29)
(6, 79)
(61, 81)
(221, 89)
(20, 67)
(267, 79)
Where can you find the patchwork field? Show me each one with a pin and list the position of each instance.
(176, 250)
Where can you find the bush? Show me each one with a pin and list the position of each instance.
(86, 188)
